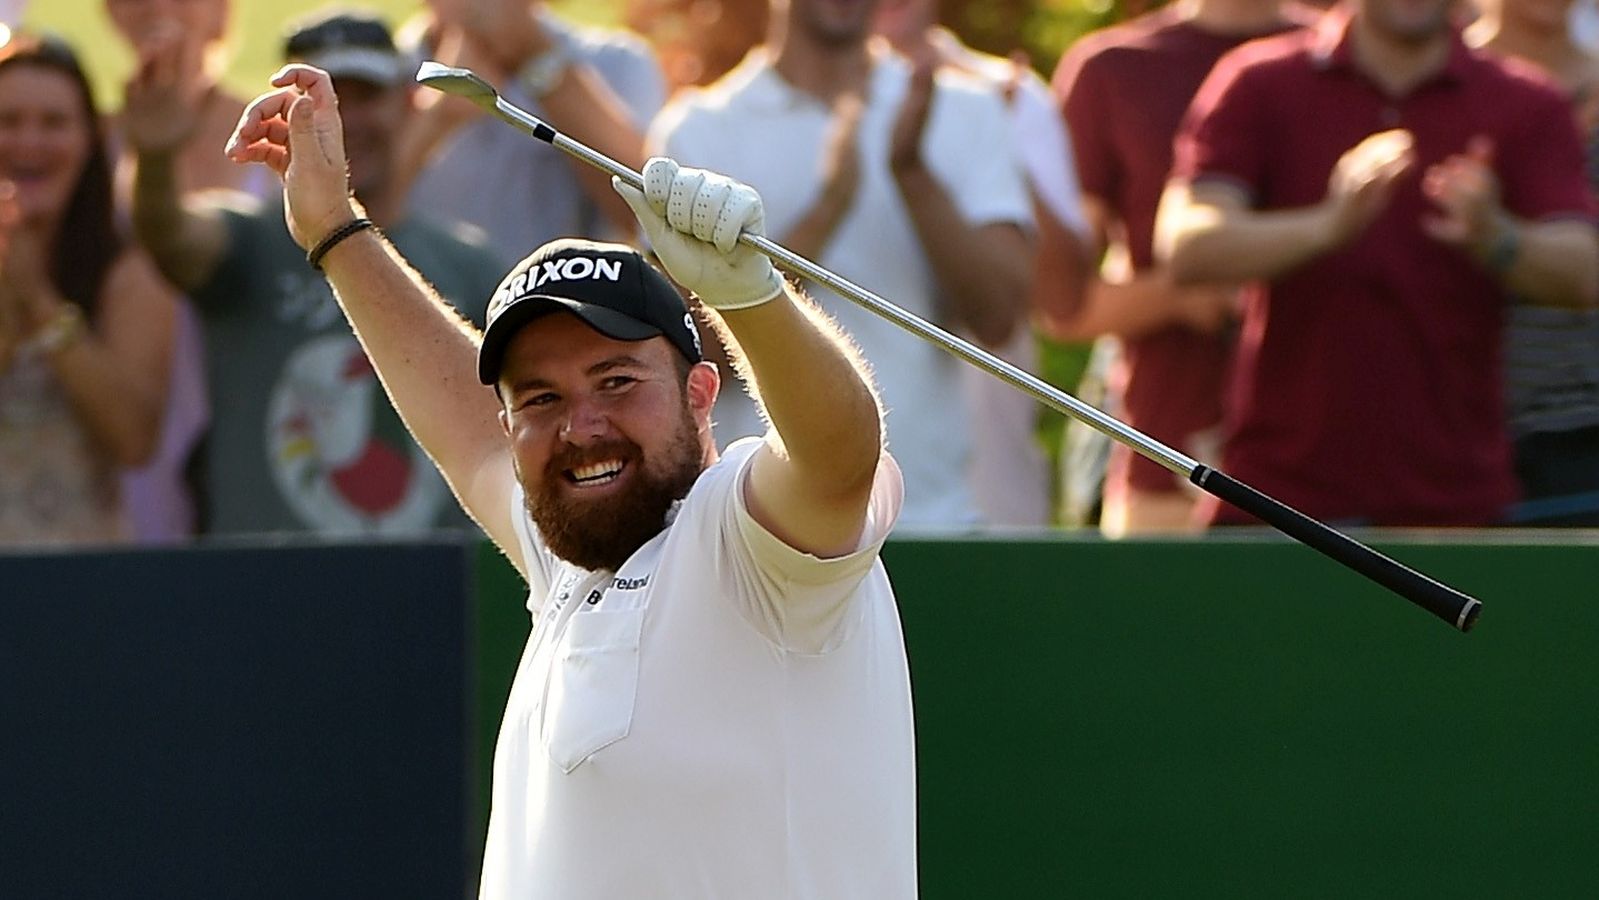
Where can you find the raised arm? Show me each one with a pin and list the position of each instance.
(811, 488)
(570, 92)
(186, 240)
(423, 350)
(984, 269)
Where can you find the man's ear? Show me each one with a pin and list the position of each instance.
(505, 420)
(704, 383)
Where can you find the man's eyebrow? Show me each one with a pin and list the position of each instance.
(623, 361)
(616, 362)
(529, 384)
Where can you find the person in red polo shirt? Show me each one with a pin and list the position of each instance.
(1388, 187)
(1123, 92)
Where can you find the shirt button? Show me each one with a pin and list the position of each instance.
(1390, 117)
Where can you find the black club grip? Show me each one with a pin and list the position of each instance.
(1435, 597)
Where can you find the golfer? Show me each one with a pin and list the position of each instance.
(714, 701)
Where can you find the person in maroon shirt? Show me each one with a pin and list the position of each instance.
(1123, 91)
(1389, 186)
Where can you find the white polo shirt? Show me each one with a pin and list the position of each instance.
(722, 717)
(754, 126)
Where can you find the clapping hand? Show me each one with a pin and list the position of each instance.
(1466, 192)
(1364, 179)
(162, 104)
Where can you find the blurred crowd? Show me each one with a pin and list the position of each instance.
(1346, 255)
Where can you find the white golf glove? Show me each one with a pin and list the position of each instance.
(693, 219)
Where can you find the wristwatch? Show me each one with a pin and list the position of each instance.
(544, 71)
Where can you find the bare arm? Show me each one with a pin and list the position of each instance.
(1206, 231)
(577, 100)
(114, 369)
(186, 241)
(425, 353)
(811, 489)
(1551, 263)
(985, 270)
(840, 176)
(1123, 303)
(1143, 304)
(1060, 271)
(422, 349)
(1554, 263)
(117, 377)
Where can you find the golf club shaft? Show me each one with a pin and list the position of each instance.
(792, 262)
(1454, 607)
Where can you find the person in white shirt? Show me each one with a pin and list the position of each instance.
(1009, 473)
(903, 180)
(715, 700)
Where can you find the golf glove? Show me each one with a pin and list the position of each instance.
(693, 219)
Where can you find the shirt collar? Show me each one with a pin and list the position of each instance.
(1331, 48)
(757, 79)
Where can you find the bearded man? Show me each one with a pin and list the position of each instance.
(714, 701)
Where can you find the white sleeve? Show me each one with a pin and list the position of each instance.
(674, 130)
(972, 153)
(1046, 150)
(801, 602)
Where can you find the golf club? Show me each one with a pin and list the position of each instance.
(1454, 607)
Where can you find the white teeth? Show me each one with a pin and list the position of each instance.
(597, 473)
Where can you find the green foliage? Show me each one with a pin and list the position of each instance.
(255, 34)
(1041, 28)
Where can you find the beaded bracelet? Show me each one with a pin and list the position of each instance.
(339, 234)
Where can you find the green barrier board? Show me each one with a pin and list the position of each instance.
(1231, 718)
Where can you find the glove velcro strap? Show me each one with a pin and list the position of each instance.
(757, 300)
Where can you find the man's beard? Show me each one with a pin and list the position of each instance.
(603, 533)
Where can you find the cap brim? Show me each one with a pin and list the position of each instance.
(608, 322)
(362, 64)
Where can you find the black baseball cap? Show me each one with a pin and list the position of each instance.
(611, 287)
(348, 44)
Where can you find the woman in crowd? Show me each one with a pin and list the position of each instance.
(85, 322)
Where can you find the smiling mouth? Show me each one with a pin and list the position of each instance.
(596, 474)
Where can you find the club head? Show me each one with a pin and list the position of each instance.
(460, 82)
